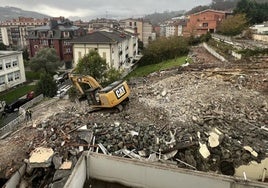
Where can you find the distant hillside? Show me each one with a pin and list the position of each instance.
(7, 13)
(224, 5)
(157, 18)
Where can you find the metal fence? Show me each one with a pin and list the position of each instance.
(12, 125)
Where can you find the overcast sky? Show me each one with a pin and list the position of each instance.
(97, 8)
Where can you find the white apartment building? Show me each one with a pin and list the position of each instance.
(171, 30)
(4, 36)
(260, 28)
(12, 71)
(142, 28)
(119, 49)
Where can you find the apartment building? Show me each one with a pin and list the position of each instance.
(99, 23)
(143, 28)
(11, 69)
(14, 32)
(57, 34)
(205, 21)
(260, 28)
(118, 48)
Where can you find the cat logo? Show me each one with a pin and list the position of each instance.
(119, 92)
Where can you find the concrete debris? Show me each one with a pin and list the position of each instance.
(215, 138)
(203, 150)
(66, 165)
(248, 148)
(131, 154)
(41, 157)
(169, 155)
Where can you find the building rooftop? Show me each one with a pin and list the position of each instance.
(5, 53)
(102, 37)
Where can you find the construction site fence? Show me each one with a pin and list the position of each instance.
(12, 125)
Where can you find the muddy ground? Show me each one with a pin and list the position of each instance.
(178, 108)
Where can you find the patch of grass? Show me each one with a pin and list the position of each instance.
(221, 47)
(145, 70)
(31, 76)
(16, 93)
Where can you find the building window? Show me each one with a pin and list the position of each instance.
(68, 50)
(8, 65)
(205, 24)
(2, 80)
(17, 75)
(104, 55)
(50, 34)
(45, 42)
(135, 23)
(10, 77)
(130, 24)
(66, 43)
(65, 34)
(79, 55)
(1, 66)
(15, 63)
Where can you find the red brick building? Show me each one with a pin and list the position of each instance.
(57, 34)
(203, 22)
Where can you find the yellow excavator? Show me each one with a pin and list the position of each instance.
(98, 97)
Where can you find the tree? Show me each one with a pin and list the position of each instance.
(46, 86)
(25, 54)
(233, 25)
(163, 49)
(256, 11)
(92, 64)
(112, 75)
(3, 46)
(46, 60)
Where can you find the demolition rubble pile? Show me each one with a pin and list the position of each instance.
(195, 121)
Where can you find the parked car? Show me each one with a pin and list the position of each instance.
(14, 106)
(9, 108)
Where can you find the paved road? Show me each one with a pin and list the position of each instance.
(11, 116)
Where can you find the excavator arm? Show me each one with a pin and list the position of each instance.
(77, 79)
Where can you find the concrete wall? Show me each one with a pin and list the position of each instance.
(135, 173)
(143, 174)
(213, 52)
(79, 174)
(16, 177)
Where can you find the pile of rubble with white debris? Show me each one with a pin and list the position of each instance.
(206, 121)
(190, 120)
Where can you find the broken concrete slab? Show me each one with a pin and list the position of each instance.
(60, 183)
(249, 149)
(66, 165)
(57, 161)
(41, 157)
(86, 136)
(203, 150)
(59, 174)
(215, 138)
(253, 170)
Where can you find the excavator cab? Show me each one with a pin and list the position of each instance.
(97, 96)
